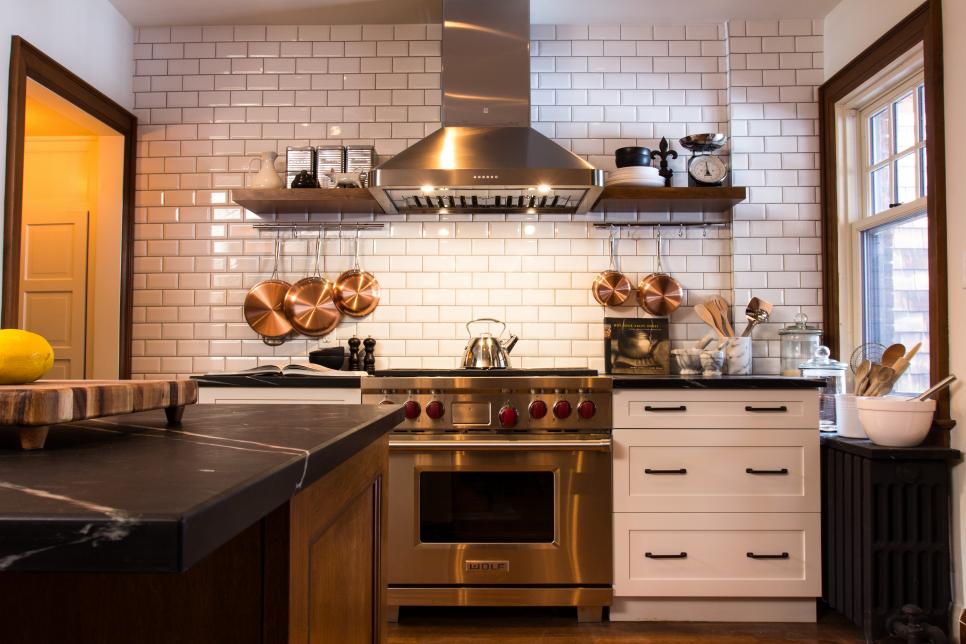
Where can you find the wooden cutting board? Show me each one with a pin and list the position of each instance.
(31, 409)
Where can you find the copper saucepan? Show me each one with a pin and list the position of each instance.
(659, 293)
(264, 306)
(310, 302)
(611, 287)
(356, 290)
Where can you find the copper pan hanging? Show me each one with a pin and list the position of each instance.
(357, 290)
(310, 302)
(659, 293)
(264, 306)
(611, 287)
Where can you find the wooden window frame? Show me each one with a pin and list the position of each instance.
(26, 61)
(924, 25)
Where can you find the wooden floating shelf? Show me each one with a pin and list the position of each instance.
(301, 201)
(615, 199)
(707, 201)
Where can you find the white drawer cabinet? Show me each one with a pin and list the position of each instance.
(715, 470)
(716, 408)
(279, 396)
(718, 555)
(717, 504)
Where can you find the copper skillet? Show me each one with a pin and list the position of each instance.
(310, 302)
(611, 287)
(659, 293)
(264, 306)
(356, 290)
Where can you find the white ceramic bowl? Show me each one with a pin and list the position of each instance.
(896, 422)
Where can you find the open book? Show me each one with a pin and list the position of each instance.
(292, 370)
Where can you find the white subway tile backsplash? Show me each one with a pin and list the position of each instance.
(212, 97)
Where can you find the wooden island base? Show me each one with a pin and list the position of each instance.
(310, 572)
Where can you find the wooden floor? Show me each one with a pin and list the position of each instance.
(526, 626)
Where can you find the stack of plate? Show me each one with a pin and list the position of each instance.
(636, 175)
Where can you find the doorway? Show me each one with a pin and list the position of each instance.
(67, 271)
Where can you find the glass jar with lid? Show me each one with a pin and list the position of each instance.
(822, 366)
(798, 343)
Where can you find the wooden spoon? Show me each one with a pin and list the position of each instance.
(882, 384)
(861, 374)
(870, 378)
(706, 315)
(892, 353)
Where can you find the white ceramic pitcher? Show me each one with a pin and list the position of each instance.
(266, 177)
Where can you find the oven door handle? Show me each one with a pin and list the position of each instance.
(593, 445)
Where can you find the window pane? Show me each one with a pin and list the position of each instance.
(922, 173)
(895, 294)
(906, 170)
(881, 191)
(921, 92)
(905, 122)
(879, 137)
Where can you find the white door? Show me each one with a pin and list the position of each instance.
(54, 251)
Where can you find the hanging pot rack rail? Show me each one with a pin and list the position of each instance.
(323, 226)
(666, 224)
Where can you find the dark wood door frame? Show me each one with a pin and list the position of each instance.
(26, 61)
(924, 25)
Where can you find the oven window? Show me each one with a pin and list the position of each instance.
(486, 507)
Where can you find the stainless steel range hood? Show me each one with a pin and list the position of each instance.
(486, 157)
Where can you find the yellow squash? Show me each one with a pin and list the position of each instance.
(24, 357)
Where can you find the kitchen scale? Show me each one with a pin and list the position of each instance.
(706, 167)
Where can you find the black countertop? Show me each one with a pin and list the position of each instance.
(715, 382)
(126, 494)
(867, 449)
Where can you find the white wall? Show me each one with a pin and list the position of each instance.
(853, 25)
(89, 37)
(954, 50)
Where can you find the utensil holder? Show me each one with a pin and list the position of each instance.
(847, 416)
(738, 357)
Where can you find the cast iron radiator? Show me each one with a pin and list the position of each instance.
(885, 531)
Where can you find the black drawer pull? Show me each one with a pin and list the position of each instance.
(683, 470)
(751, 470)
(651, 555)
(783, 555)
(678, 408)
(781, 409)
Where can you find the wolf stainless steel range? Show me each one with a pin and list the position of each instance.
(499, 487)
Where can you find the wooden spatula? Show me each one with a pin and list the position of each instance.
(707, 316)
(724, 309)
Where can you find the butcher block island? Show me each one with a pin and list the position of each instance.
(246, 523)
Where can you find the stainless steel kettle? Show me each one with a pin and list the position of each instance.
(486, 352)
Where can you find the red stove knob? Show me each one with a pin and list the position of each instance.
(509, 416)
(435, 410)
(412, 409)
(586, 409)
(538, 409)
(562, 409)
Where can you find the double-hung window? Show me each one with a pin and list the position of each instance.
(890, 250)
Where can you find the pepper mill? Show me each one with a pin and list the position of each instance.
(369, 360)
(354, 343)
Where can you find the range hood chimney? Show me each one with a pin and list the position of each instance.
(486, 157)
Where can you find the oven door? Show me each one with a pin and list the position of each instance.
(500, 510)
